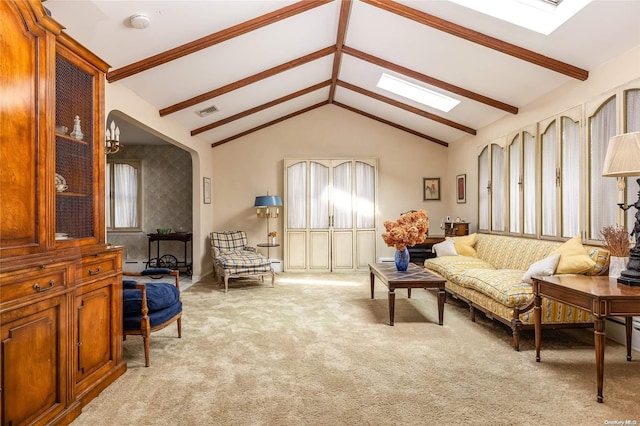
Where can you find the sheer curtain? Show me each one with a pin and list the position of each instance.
(515, 194)
(549, 146)
(602, 205)
(365, 194)
(319, 196)
(342, 200)
(297, 196)
(497, 188)
(570, 177)
(529, 183)
(483, 192)
(632, 119)
(125, 188)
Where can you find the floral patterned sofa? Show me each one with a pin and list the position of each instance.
(488, 271)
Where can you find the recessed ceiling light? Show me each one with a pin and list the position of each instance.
(416, 93)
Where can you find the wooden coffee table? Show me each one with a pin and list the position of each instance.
(413, 277)
(602, 296)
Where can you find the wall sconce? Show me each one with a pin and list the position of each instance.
(267, 207)
(112, 143)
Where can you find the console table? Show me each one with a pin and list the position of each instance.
(185, 237)
(602, 296)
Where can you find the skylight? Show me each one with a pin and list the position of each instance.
(416, 93)
(542, 16)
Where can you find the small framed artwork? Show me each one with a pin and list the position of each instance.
(461, 189)
(430, 189)
(206, 190)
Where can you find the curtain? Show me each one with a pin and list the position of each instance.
(602, 190)
(319, 196)
(342, 200)
(570, 177)
(497, 188)
(125, 187)
(529, 183)
(632, 120)
(549, 149)
(515, 154)
(297, 196)
(483, 192)
(365, 195)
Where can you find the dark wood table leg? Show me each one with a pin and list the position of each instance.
(392, 305)
(629, 330)
(409, 293)
(373, 280)
(442, 297)
(598, 335)
(537, 318)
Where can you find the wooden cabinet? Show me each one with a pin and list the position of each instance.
(60, 284)
(420, 252)
(456, 229)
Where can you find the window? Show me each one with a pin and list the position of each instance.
(492, 188)
(522, 175)
(123, 195)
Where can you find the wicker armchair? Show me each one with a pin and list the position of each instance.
(233, 258)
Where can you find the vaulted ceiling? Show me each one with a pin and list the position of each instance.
(261, 62)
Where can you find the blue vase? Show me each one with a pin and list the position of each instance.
(402, 259)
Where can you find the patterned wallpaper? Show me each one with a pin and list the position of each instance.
(167, 198)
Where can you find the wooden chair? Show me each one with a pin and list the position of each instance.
(151, 306)
(233, 258)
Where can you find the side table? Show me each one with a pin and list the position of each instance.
(268, 246)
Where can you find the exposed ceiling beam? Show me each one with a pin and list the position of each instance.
(248, 80)
(480, 38)
(345, 9)
(389, 123)
(430, 80)
(260, 108)
(270, 123)
(406, 107)
(213, 39)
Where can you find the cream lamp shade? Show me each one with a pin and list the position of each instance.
(623, 156)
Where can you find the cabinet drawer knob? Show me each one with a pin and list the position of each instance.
(37, 287)
(96, 272)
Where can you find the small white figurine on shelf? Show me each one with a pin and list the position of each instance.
(76, 133)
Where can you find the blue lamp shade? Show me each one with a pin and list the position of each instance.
(268, 201)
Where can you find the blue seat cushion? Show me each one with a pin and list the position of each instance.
(159, 296)
(132, 321)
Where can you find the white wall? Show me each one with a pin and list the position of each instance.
(251, 166)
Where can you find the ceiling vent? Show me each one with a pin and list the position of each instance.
(207, 111)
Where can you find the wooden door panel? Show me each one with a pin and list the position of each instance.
(295, 249)
(319, 251)
(93, 345)
(365, 248)
(342, 250)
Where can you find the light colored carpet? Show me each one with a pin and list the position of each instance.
(316, 350)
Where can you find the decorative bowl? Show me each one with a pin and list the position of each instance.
(163, 231)
(62, 129)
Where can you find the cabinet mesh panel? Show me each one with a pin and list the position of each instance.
(74, 157)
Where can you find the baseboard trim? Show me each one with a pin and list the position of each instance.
(615, 330)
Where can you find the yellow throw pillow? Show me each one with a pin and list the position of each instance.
(465, 245)
(574, 258)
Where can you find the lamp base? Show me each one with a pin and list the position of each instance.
(631, 275)
(629, 281)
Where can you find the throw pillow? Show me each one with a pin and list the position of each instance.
(445, 248)
(574, 259)
(465, 245)
(544, 267)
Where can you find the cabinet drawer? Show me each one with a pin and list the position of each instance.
(31, 282)
(97, 266)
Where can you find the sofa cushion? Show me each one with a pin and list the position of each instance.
(601, 258)
(465, 245)
(574, 258)
(502, 285)
(544, 267)
(506, 252)
(445, 248)
(450, 267)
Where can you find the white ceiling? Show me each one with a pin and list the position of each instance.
(601, 31)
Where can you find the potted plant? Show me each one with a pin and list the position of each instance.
(616, 240)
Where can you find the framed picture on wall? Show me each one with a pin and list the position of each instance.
(206, 190)
(461, 189)
(430, 189)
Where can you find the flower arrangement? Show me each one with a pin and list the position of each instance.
(410, 229)
(616, 240)
(272, 234)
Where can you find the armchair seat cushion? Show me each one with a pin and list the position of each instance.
(244, 262)
(132, 322)
(159, 297)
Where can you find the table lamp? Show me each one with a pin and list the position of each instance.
(265, 204)
(622, 160)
